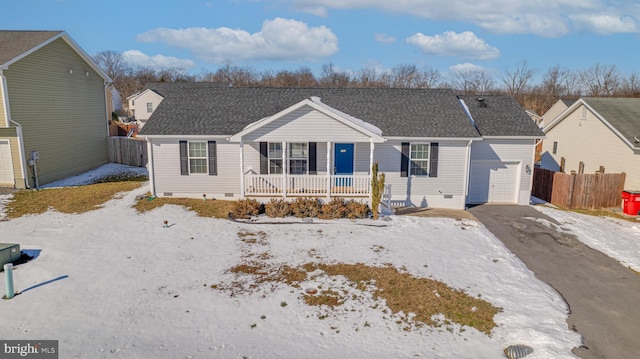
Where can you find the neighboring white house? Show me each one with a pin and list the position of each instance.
(142, 104)
(436, 149)
(552, 113)
(594, 134)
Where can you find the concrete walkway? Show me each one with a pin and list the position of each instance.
(603, 295)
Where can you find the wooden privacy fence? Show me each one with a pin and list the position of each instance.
(127, 151)
(579, 191)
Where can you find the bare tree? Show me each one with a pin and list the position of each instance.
(601, 80)
(330, 77)
(631, 85)
(473, 81)
(145, 75)
(518, 81)
(429, 78)
(405, 76)
(111, 62)
(306, 77)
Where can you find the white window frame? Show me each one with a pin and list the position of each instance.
(304, 157)
(413, 160)
(273, 158)
(194, 157)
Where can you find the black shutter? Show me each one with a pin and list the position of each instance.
(264, 158)
(184, 158)
(404, 163)
(313, 168)
(213, 161)
(433, 160)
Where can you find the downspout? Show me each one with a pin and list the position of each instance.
(152, 177)
(106, 84)
(7, 115)
(242, 180)
(467, 171)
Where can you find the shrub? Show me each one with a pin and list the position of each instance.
(245, 208)
(306, 207)
(336, 208)
(357, 210)
(377, 188)
(277, 208)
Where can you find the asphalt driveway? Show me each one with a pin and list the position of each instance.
(603, 295)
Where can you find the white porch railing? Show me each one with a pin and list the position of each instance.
(307, 185)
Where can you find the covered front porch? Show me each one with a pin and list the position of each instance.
(310, 150)
(307, 185)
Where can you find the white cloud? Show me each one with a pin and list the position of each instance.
(605, 24)
(465, 45)
(465, 68)
(385, 39)
(158, 62)
(279, 39)
(543, 18)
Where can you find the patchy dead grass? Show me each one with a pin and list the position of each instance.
(329, 298)
(603, 212)
(208, 208)
(66, 199)
(417, 301)
(422, 296)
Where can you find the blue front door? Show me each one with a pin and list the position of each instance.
(343, 162)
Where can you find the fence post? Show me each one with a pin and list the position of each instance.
(572, 184)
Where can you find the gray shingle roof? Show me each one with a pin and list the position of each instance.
(500, 115)
(165, 88)
(15, 43)
(226, 111)
(622, 113)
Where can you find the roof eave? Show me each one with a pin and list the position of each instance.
(376, 138)
(71, 43)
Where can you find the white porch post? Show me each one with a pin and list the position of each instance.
(329, 170)
(284, 170)
(242, 187)
(371, 147)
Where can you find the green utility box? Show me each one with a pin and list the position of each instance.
(9, 253)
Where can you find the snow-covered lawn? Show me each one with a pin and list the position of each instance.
(117, 283)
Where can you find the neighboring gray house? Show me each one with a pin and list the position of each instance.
(436, 149)
(53, 109)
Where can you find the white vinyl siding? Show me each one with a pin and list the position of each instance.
(593, 143)
(145, 104)
(167, 177)
(504, 155)
(445, 191)
(306, 125)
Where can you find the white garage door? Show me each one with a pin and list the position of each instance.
(493, 182)
(6, 169)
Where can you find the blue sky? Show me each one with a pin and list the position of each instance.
(198, 36)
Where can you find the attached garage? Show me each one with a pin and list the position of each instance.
(493, 182)
(6, 167)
